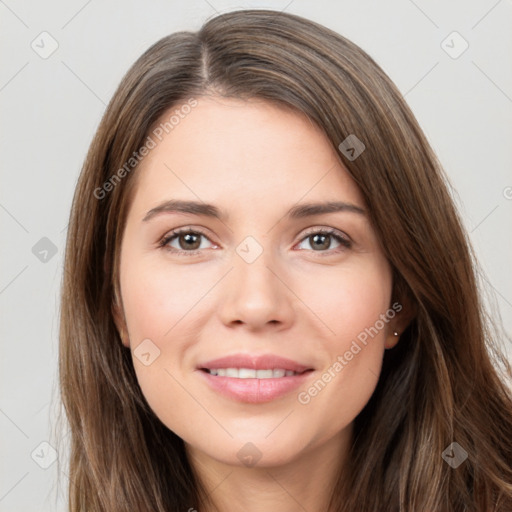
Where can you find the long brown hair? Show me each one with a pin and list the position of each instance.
(444, 382)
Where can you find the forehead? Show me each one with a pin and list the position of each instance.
(230, 150)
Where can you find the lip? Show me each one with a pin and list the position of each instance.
(255, 362)
(254, 391)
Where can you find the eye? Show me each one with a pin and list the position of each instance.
(320, 239)
(189, 241)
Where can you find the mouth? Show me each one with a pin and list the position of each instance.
(254, 379)
(253, 366)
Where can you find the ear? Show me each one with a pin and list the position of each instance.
(405, 312)
(119, 320)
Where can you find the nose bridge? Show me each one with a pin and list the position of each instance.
(253, 261)
(255, 294)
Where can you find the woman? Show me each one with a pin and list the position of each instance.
(269, 300)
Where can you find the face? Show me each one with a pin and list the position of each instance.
(262, 279)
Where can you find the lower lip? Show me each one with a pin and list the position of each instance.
(255, 391)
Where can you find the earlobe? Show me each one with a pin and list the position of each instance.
(392, 339)
(399, 323)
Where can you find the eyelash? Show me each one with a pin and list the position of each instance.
(345, 243)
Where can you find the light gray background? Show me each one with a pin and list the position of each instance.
(51, 107)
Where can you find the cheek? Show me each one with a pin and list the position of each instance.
(162, 304)
(159, 304)
(353, 309)
(360, 325)
(158, 298)
(351, 300)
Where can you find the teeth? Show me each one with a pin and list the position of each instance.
(248, 373)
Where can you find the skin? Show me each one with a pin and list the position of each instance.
(254, 161)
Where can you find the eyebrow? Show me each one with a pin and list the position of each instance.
(209, 210)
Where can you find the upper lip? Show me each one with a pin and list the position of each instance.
(255, 362)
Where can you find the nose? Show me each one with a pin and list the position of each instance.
(256, 295)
